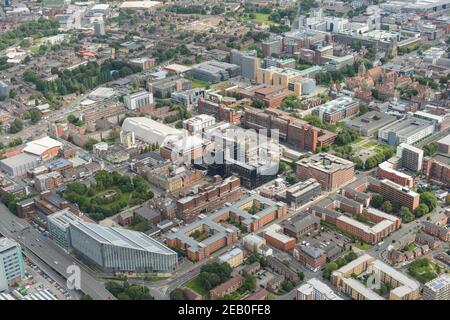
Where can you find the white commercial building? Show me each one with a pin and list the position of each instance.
(198, 123)
(149, 131)
(315, 289)
(138, 100)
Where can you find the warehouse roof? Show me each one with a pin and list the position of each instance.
(39, 146)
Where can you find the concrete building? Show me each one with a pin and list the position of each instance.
(315, 289)
(165, 87)
(438, 288)
(369, 123)
(337, 109)
(406, 130)
(411, 157)
(214, 71)
(253, 242)
(19, 165)
(48, 181)
(119, 250)
(302, 192)
(187, 97)
(234, 257)
(99, 28)
(58, 227)
(198, 123)
(402, 195)
(247, 61)
(444, 145)
(404, 288)
(4, 89)
(148, 130)
(12, 268)
(330, 171)
(138, 100)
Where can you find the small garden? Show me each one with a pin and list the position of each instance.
(424, 270)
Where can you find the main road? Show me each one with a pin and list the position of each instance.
(49, 253)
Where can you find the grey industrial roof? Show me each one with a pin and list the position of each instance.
(407, 126)
(372, 120)
(19, 160)
(122, 238)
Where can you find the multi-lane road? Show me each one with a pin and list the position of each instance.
(39, 246)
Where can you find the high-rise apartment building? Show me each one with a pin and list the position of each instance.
(12, 268)
(411, 157)
(437, 289)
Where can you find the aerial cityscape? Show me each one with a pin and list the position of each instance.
(225, 150)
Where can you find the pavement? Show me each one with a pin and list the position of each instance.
(46, 254)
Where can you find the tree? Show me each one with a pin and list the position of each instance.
(429, 199)
(35, 115)
(387, 206)
(258, 103)
(292, 179)
(89, 145)
(177, 294)
(86, 297)
(406, 215)
(421, 210)
(16, 126)
(363, 109)
(377, 201)
(249, 283)
(329, 268)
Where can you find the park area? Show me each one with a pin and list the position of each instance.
(108, 195)
(258, 17)
(424, 269)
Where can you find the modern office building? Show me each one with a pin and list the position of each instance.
(411, 157)
(187, 97)
(302, 192)
(215, 71)
(398, 194)
(272, 45)
(247, 61)
(369, 123)
(198, 123)
(403, 287)
(330, 171)
(12, 268)
(165, 87)
(120, 250)
(138, 100)
(58, 227)
(438, 288)
(406, 130)
(99, 28)
(337, 109)
(315, 289)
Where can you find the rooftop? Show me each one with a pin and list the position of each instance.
(326, 162)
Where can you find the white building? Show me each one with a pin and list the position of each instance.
(198, 123)
(150, 131)
(411, 157)
(315, 289)
(138, 100)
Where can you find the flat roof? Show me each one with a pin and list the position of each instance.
(445, 140)
(326, 162)
(19, 160)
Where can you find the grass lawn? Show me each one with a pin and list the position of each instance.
(195, 285)
(369, 145)
(198, 84)
(261, 17)
(363, 245)
(424, 269)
